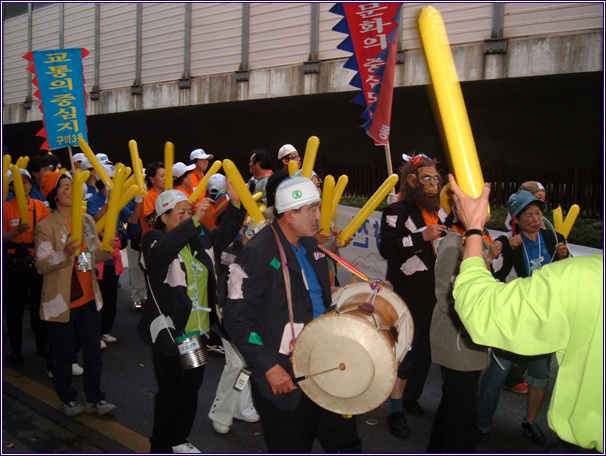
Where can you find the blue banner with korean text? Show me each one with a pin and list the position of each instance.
(59, 78)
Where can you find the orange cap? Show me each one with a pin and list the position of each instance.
(50, 181)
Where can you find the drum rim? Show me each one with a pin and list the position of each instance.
(404, 343)
(378, 387)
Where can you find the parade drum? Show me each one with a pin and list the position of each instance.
(347, 359)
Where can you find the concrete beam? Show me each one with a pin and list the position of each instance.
(550, 55)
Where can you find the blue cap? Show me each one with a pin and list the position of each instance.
(520, 201)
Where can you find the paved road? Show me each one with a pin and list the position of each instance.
(33, 423)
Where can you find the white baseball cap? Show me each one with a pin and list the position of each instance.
(294, 193)
(200, 154)
(78, 157)
(25, 172)
(167, 200)
(181, 168)
(85, 164)
(285, 150)
(109, 169)
(216, 183)
(103, 158)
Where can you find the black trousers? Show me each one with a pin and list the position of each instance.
(176, 402)
(293, 431)
(109, 290)
(455, 426)
(15, 292)
(415, 365)
(83, 323)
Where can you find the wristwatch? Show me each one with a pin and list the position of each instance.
(471, 233)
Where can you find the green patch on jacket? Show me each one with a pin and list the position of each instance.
(254, 338)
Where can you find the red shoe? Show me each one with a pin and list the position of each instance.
(520, 388)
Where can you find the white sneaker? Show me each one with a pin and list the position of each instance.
(103, 345)
(49, 373)
(108, 338)
(185, 448)
(77, 370)
(252, 418)
(101, 407)
(220, 428)
(71, 408)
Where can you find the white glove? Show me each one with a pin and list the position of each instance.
(251, 231)
(392, 198)
(139, 199)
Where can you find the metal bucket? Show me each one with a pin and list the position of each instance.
(192, 351)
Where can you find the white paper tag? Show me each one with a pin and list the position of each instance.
(287, 336)
(242, 379)
(188, 346)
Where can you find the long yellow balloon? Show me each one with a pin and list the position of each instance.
(128, 182)
(204, 182)
(5, 184)
(462, 152)
(370, 206)
(20, 195)
(80, 177)
(90, 155)
(234, 176)
(339, 189)
(126, 191)
(22, 162)
(169, 161)
(293, 167)
(128, 194)
(309, 160)
(111, 216)
(6, 163)
(328, 192)
(558, 220)
(565, 226)
(137, 166)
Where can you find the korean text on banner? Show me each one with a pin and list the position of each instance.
(372, 30)
(59, 78)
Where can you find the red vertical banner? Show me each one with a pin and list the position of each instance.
(373, 39)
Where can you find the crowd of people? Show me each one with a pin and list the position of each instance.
(198, 272)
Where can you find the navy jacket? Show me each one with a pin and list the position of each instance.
(168, 286)
(257, 303)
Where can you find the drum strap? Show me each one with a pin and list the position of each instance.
(347, 265)
(288, 293)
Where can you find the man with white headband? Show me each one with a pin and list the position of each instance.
(257, 318)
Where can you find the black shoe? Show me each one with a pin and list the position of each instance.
(533, 431)
(398, 426)
(483, 436)
(414, 408)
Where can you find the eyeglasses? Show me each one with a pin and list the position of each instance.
(294, 157)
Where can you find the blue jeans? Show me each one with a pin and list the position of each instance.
(495, 375)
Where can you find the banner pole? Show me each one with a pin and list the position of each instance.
(389, 167)
(71, 158)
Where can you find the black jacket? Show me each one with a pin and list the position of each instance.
(161, 256)
(402, 242)
(257, 303)
(515, 258)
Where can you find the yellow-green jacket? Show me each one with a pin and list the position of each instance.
(559, 309)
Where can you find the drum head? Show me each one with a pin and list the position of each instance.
(370, 367)
(357, 292)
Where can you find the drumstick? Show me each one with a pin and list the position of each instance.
(305, 377)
